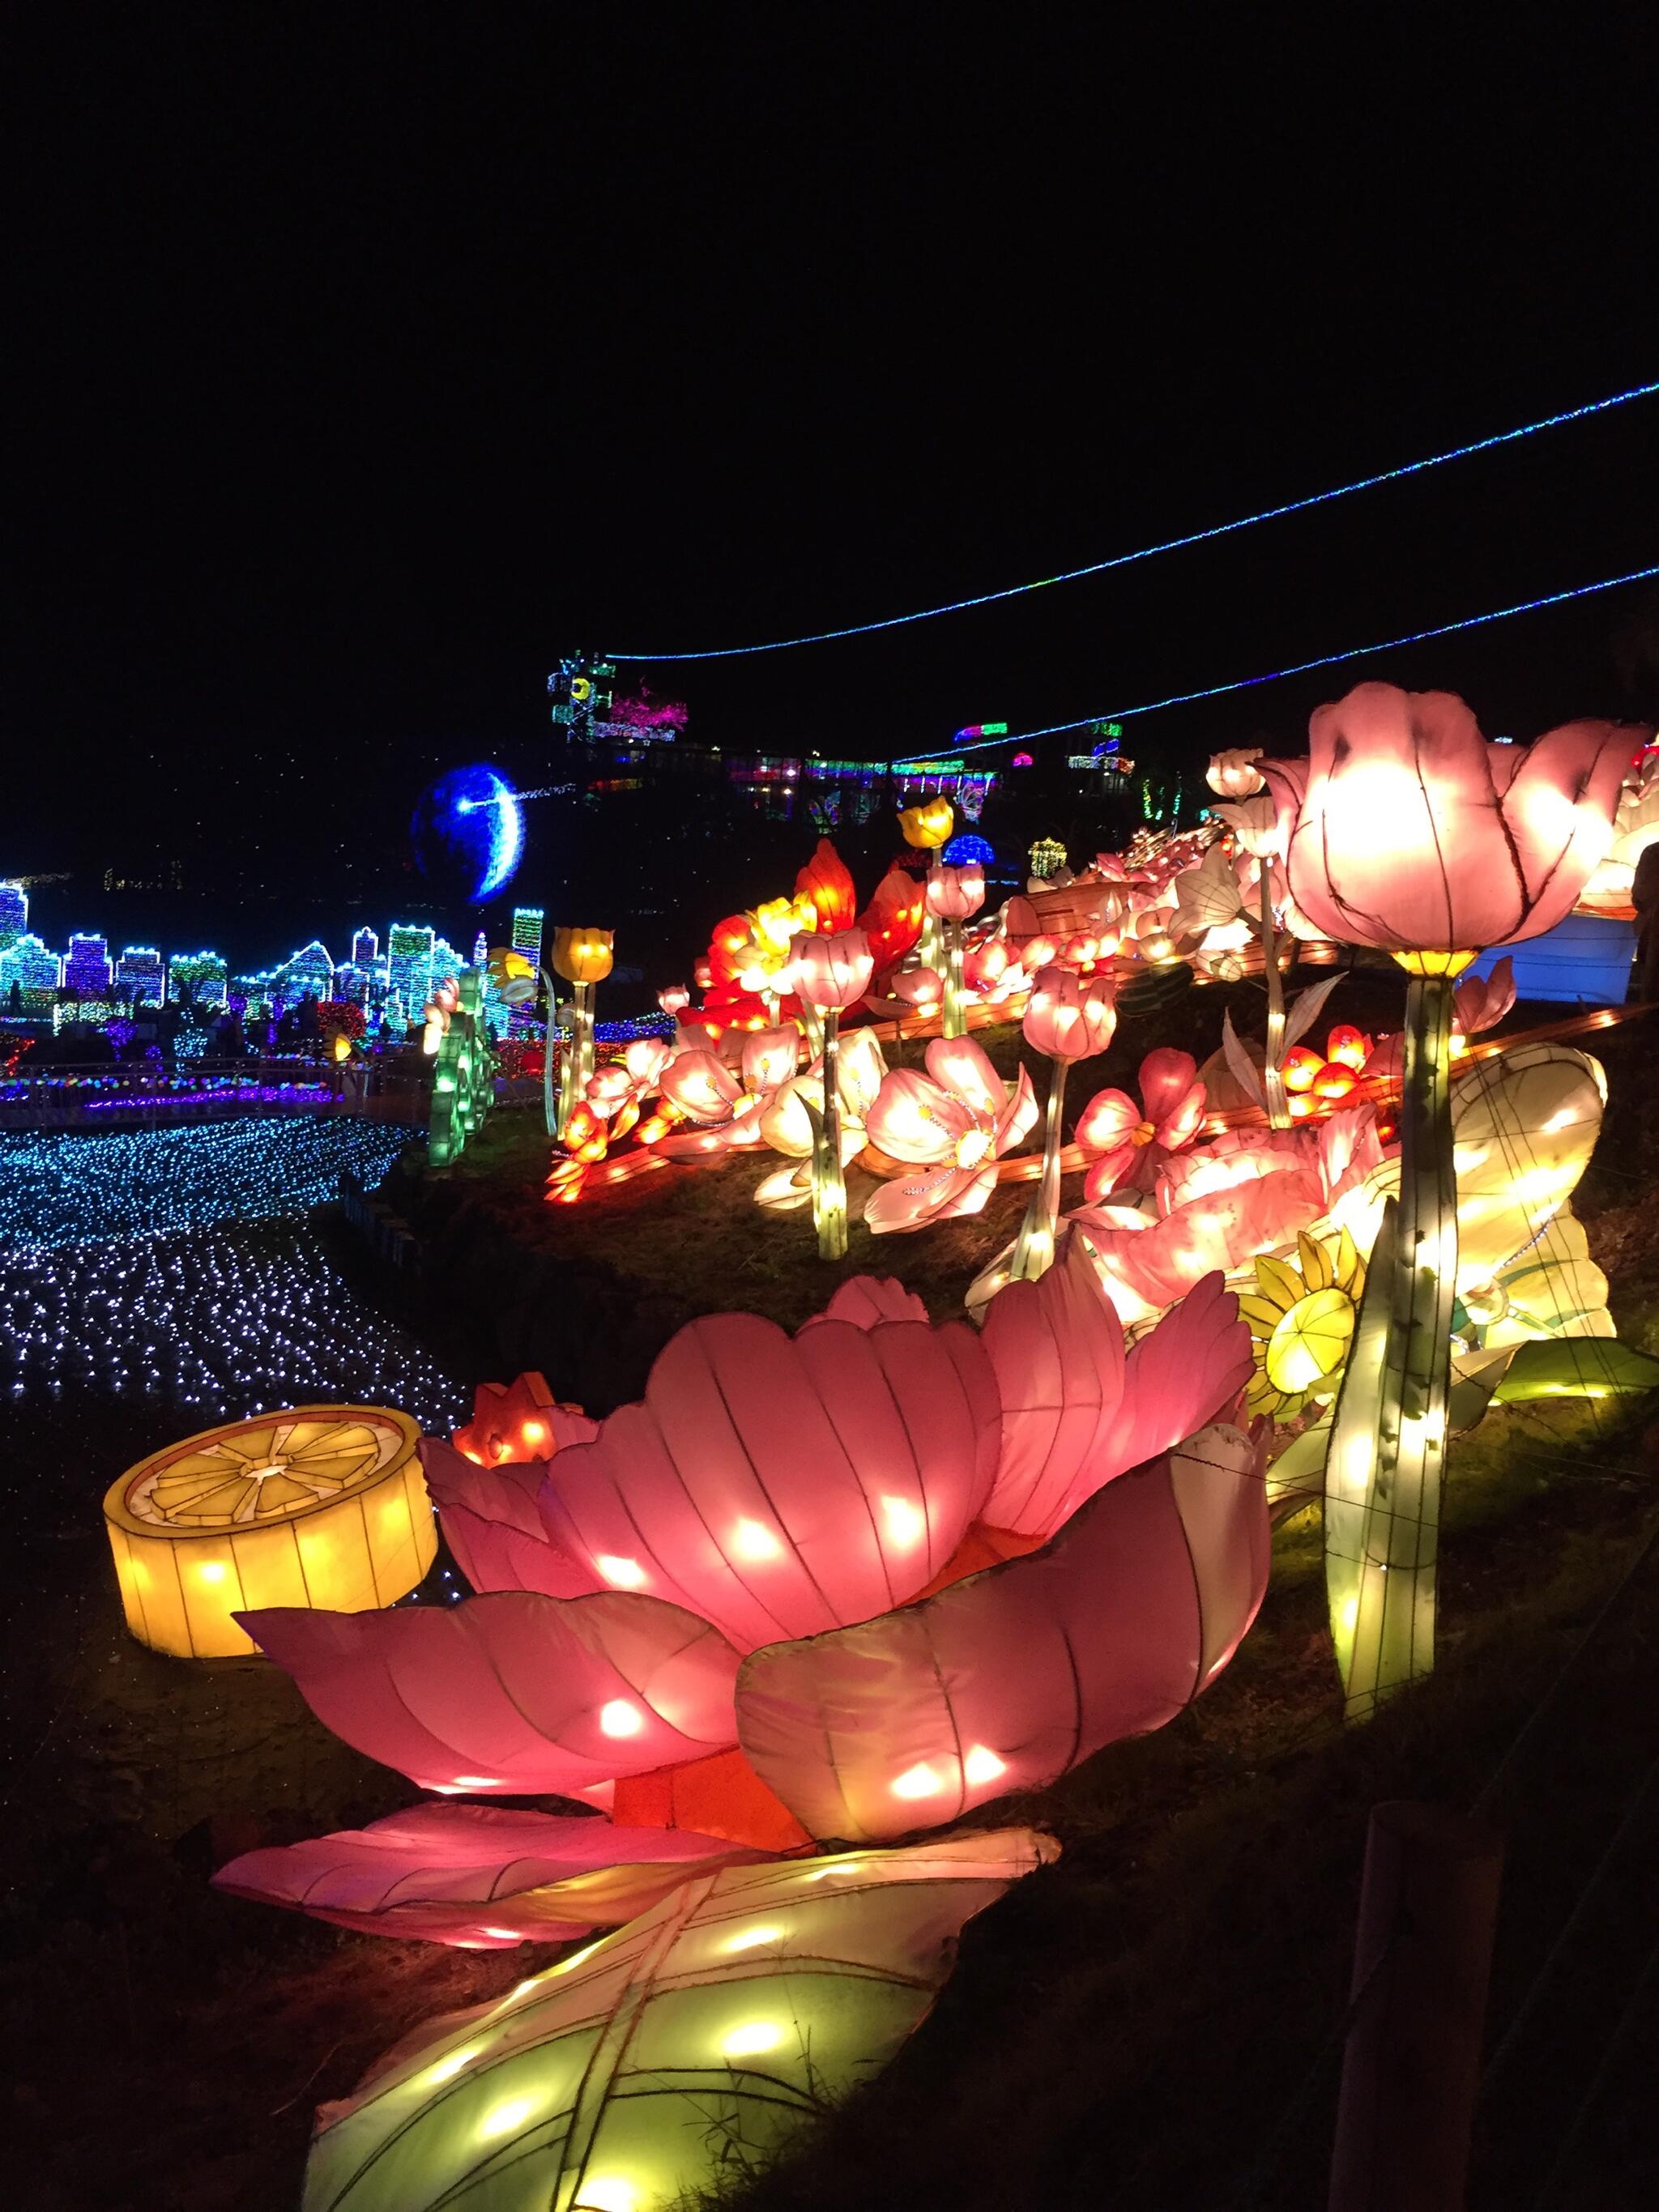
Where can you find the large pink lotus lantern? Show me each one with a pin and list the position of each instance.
(850, 1582)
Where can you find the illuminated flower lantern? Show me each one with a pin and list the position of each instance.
(675, 999)
(828, 883)
(925, 826)
(892, 921)
(790, 1119)
(954, 896)
(724, 1107)
(1234, 774)
(830, 975)
(953, 1123)
(321, 1505)
(1405, 831)
(1070, 1019)
(1130, 1143)
(583, 958)
(846, 1585)
(514, 978)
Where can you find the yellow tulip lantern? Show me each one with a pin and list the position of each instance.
(583, 958)
(322, 1506)
(927, 824)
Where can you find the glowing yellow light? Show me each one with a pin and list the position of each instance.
(606, 2193)
(476, 1782)
(446, 2069)
(500, 2119)
(751, 2038)
(502, 1934)
(576, 1957)
(626, 1574)
(750, 1939)
(621, 1717)
(534, 1432)
(907, 1524)
(317, 1505)
(750, 1540)
(918, 1781)
(981, 1766)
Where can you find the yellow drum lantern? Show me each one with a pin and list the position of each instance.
(321, 1505)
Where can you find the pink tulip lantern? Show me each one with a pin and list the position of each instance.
(675, 999)
(954, 896)
(1070, 1018)
(1405, 831)
(830, 974)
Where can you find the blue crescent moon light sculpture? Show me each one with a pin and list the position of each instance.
(468, 832)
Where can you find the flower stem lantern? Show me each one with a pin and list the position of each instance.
(1252, 816)
(1405, 830)
(830, 974)
(925, 826)
(583, 958)
(954, 894)
(1071, 1018)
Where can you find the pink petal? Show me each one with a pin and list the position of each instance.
(867, 1299)
(1558, 809)
(1106, 1120)
(699, 1084)
(1017, 1119)
(910, 1118)
(964, 1068)
(1056, 1345)
(1110, 1172)
(1009, 1679)
(781, 1487)
(513, 1691)
(479, 1876)
(1179, 1376)
(917, 1201)
(493, 1525)
(1167, 1082)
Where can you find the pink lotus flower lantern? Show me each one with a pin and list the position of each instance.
(1134, 1141)
(1071, 1019)
(954, 1124)
(845, 1583)
(1234, 774)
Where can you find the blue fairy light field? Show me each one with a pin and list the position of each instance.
(172, 1279)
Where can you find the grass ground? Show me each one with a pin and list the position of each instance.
(1147, 2023)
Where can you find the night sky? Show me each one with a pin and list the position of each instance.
(374, 357)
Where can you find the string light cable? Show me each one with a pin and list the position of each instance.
(1321, 660)
(1170, 544)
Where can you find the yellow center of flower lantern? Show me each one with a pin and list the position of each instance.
(1435, 963)
(974, 1148)
(1302, 1320)
(324, 1506)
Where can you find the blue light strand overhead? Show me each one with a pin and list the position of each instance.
(1323, 660)
(1170, 544)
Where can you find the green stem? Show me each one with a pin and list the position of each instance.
(1388, 1441)
(1279, 1111)
(828, 1178)
(954, 1017)
(1034, 1249)
(551, 1105)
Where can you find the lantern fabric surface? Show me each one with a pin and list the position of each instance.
(481, 1877)
(830, 973)
(955, 894)
(583, 956)
(1406, 831)
(1066, 1018)
(317, 1506)
(745, 2004)
(927, 824)
(771, 1489)
(1005, 1681)
(952, 1124)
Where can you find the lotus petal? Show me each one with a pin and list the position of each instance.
(780, 1486)
(513, 1691)
(748, 2001)
(478, 1876)
(1009, 1679)
(493, 1525)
